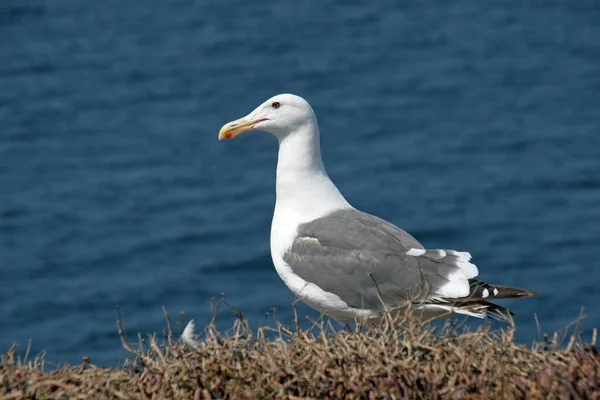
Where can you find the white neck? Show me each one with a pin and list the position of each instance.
(303, 186)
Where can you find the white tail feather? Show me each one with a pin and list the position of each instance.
(443, 310)
(460, 270)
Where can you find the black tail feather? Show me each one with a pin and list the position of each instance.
(477, 302)
(482, 290)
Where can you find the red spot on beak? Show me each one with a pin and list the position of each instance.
(228, 136)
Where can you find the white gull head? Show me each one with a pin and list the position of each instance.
(281, 116)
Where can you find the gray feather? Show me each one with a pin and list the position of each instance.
(363, 260)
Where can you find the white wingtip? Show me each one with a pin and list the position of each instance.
(189, 335)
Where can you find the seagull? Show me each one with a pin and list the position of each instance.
(346, 263)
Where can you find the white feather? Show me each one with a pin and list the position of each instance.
(189, 336)
(460, 270)
(416, 252)
(430, 311)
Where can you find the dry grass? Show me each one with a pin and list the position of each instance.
(410, 362)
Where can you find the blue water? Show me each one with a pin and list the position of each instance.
(473, 125)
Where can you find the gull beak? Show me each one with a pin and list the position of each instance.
(237, 127)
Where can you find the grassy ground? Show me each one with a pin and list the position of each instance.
(410, 362)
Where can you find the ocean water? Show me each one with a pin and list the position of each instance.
(473, 125)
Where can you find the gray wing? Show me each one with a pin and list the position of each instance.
(360, 257)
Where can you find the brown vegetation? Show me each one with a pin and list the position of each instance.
(410, 362)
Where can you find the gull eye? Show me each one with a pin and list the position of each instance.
(276, 104)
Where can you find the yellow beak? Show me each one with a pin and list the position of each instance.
(237, 127)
